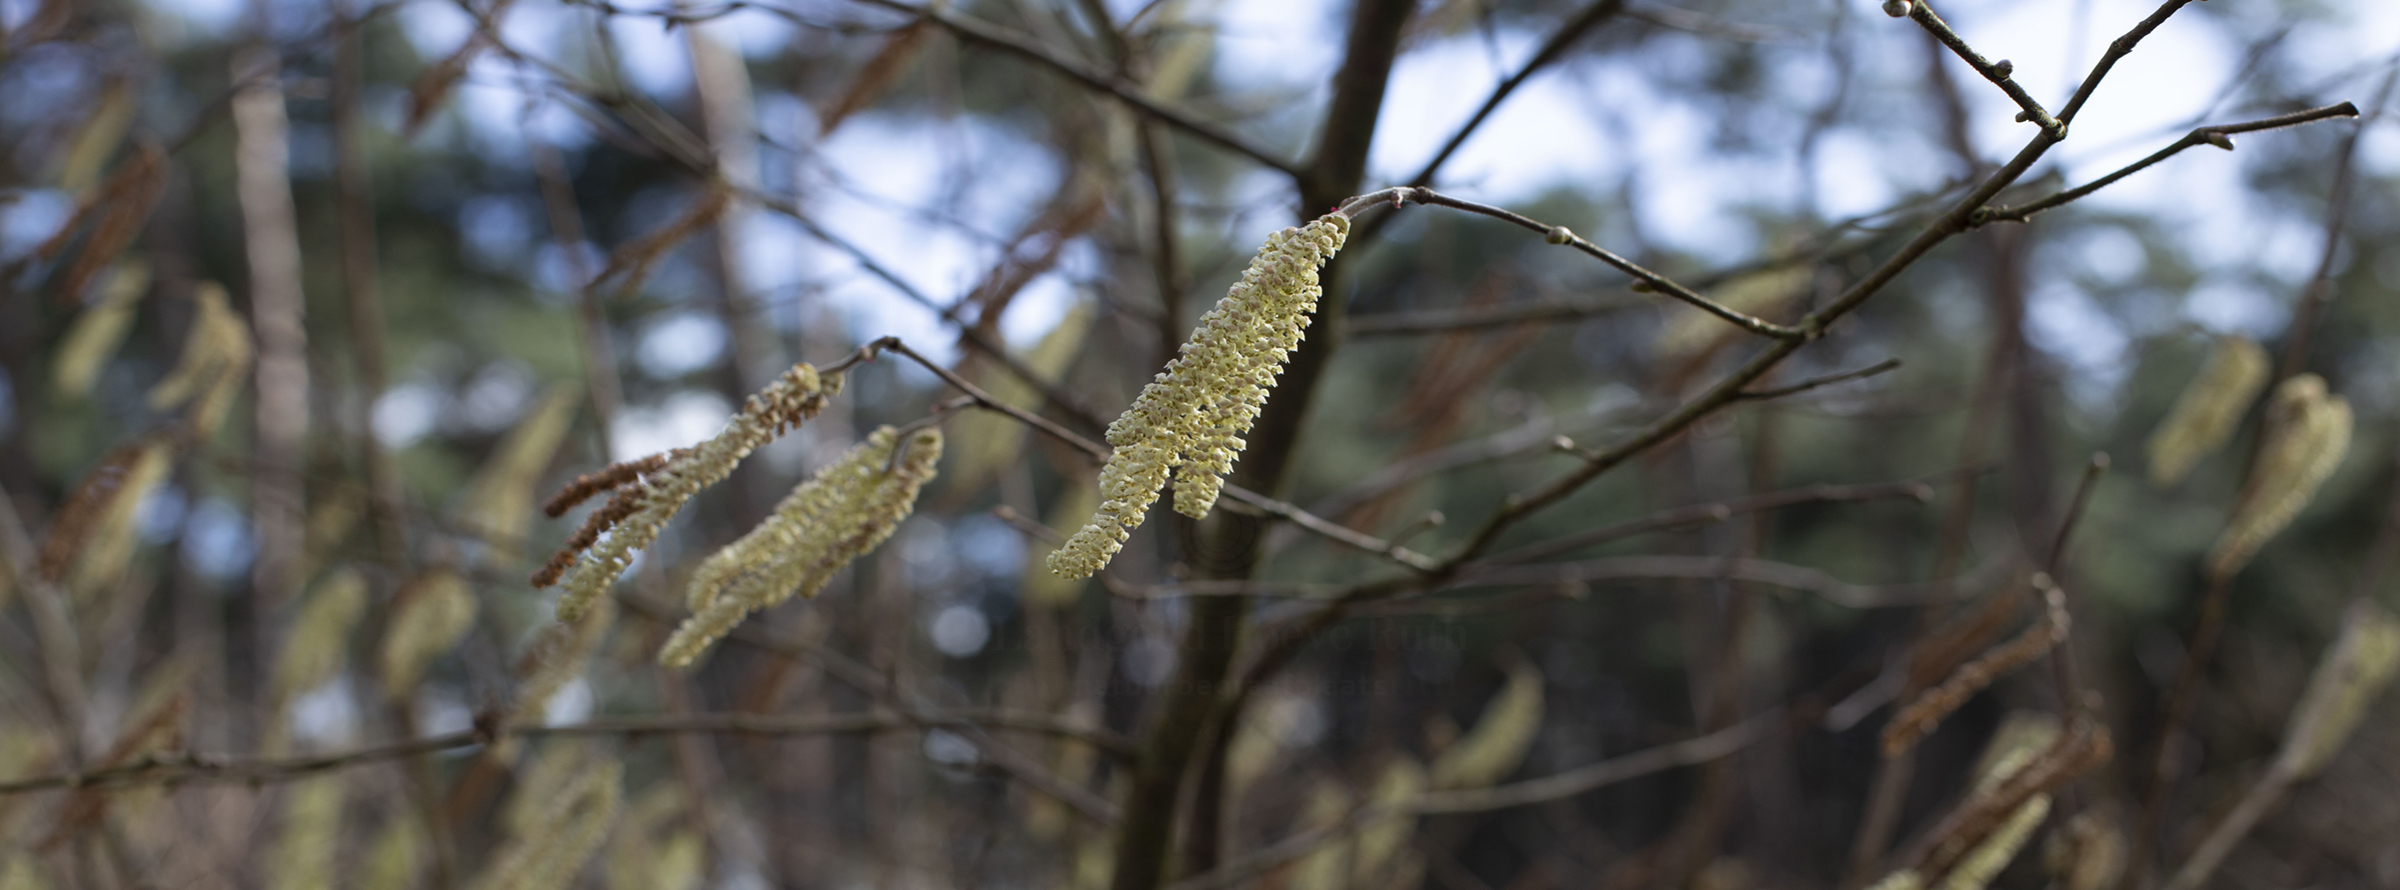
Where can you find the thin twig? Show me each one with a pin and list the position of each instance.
(1816, 382)
(2219, 136)
(1400, 196)
(1922, 13)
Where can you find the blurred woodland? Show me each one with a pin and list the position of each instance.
(1763, 464)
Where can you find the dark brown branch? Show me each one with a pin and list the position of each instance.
(1442, 321)
(1922, 13)
(1398, 197)
(1133, 96)
(1560, 41)
(1816, 382)
(2219, 136)
(190, 768)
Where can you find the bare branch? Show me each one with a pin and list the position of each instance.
(1998, 73)
(2218, 136)
(1816, 382)
(1398, 197)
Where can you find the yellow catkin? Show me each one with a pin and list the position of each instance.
(557, 656)
(1041, 587)
(1497, 744)
(2308, 431)
(2087, 853)
(499, 505)
(640, 858)
(1371, 857)
(319, 641)
(1977, 870)
(108, 546)
(216, 363)
(2209, 409)
(1190, 421)
(429, 616)
(98, 331)
(552, 849)
(312, 826)
(18, 871)
(396, 858)
(795, 396)
(331, 519)
(2350, 677)
(1690, 328)
(989, 442)
(847, 509)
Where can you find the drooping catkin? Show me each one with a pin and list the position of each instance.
(217, 352)
(499, 505)
(988, 442)
(847, 509)
(2209, 409)
(98, 331)
(1497, 744)
(396, 857)
(430, 614)
(2308, 431)
(640, 858)
(91, 541)
(2356, 670)
(556, 658)
(319, 641)
(1921, 716)
(1041, 587)
(312, 825)
(641, 507)
(549, 854)
(1191, 419)
(1366, 858)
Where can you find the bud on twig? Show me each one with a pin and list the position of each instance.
(1898, 9)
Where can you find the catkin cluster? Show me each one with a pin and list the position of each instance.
(2358, 668)
(2308, 430)
(216, 363)
(844, 511)
(2209, 409)
(648, 492)
(1191, 419)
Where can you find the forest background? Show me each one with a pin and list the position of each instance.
(305, 307)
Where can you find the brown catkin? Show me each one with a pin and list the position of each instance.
(1921, 716)
(108, 543)
(2308, 431)
(604, 479)
(85, 506)
(2209, 409)
(640, 510)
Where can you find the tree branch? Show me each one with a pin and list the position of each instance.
(2218, 136)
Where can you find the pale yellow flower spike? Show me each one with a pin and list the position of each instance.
(844, 511)
(1191, 419)
(2211, 406)
(796, 396)
(2308, 432)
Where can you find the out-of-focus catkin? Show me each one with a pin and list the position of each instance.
(2209, 409)
(632, 518)
(430, 614)
(319, 641)
(98, 331)
(1497, 744)
(548, 855)
(557, 657)
(499, 504)
(847, 509)
(217, 353)
(1189, 422)
(312, 826)
(2308, 431)
(2350, 677)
